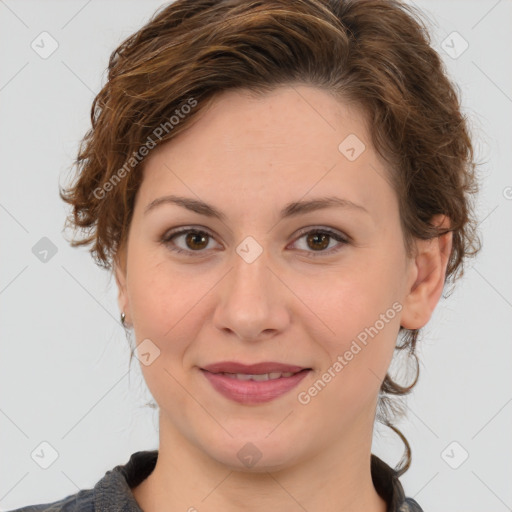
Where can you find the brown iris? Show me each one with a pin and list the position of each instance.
(195, 237)
(316, 236)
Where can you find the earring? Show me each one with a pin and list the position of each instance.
(123, 318)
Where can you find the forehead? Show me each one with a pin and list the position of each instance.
(293, 141)
(303, 119)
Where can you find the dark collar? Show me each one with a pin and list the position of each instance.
(113, 491)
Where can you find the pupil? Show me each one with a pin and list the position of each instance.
(192, 236)
(320, 235)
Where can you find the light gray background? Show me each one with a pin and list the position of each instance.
(64, 357)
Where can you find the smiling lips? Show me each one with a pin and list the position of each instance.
(259, 368)
(256, 383)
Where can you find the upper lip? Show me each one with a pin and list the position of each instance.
(251, 369)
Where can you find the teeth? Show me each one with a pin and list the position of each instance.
(263, 376)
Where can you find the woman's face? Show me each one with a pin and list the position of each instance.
(268, 282)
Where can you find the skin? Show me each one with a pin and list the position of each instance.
(249, 156)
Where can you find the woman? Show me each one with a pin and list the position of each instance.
(282, 190)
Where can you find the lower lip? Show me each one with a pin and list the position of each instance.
(251, 391)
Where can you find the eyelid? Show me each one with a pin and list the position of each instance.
(324, 229)
(167, 237)
(341, 237)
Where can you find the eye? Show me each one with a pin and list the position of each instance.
(196, 240)
(319, 239)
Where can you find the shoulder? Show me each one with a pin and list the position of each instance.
(82, 501)
(110, 494)
(388, 485)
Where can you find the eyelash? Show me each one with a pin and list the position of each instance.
(169, 236)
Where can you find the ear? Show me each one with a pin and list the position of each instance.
(120, 275)
(428, 272)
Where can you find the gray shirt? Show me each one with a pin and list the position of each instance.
(113, 492)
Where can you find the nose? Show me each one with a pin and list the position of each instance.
(252, 302)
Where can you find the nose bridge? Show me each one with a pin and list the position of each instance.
(250, 274)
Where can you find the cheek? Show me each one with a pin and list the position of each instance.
(356, 297)
(158, 296)
(163, 312)
(362, 310)
(167, 306)
(358, 359)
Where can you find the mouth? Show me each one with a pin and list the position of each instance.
(264, 368)
(259, 377)
(253, 384)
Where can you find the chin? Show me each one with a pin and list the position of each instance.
(257, 456)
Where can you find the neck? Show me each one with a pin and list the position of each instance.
(185, 478)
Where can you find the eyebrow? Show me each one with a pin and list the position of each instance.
(290, 210)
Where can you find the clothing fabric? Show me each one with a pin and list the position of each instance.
(113, 492)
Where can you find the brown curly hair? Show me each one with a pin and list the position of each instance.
(374, 53)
